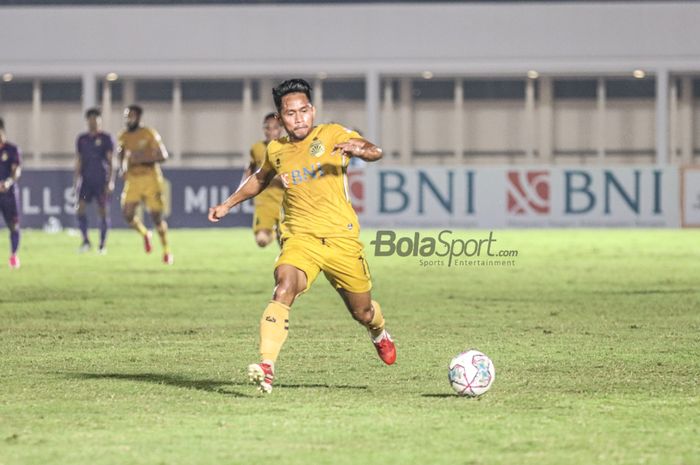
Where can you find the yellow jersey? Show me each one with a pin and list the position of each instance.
(140, 140)
(317, 197)
(273, 194)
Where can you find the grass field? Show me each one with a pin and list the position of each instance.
(119, 359)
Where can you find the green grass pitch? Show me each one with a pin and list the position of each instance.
(118, 359)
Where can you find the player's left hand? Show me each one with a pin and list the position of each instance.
(352, 148)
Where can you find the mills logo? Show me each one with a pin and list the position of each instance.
(528, 192)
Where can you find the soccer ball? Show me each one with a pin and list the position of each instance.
(471, 373)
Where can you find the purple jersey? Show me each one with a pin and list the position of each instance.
(9, 156)
(94, 162)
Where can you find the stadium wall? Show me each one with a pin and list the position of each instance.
(597, 40)
(429, 196)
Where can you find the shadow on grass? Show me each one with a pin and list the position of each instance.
(441, 395)
(207, 385)
(649, 291)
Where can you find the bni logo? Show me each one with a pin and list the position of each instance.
(528, 192)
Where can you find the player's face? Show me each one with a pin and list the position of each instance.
(131, 119)
(94, 123)
(272, 129)
(297, 115)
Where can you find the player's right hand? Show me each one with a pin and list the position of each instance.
(218, 212)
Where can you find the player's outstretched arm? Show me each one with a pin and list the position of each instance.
(251, 187)
(76, 172)
(121, 161)
(15, 173)
(250, 169)
(359, 148)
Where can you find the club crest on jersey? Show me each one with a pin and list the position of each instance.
(317, 148)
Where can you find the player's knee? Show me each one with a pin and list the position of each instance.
(263, 238)
(161, 225)
(285, 291)
(363, 314)
(13, 226)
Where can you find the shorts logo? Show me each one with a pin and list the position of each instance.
(528, 192)
(317, 148)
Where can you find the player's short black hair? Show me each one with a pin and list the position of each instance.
(136, 109)
(290, 86)
(92, 112)
(268, 116)
(2, 123)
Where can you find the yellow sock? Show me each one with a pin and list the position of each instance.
(376, 326)
(138, 225)
(274, 326)
(163, 233)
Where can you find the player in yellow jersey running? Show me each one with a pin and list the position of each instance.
(321, 228)
(266, 219)
(141, 151)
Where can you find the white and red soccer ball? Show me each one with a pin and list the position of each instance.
(471, 373)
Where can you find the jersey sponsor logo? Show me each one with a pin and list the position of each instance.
(305, 174)
(317, 148)
(98, 142)
(5, 156)
(528, 192)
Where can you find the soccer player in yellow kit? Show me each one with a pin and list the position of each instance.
(266, 219)
(321, 228)
(141, 151)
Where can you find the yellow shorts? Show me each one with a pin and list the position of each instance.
(342, 260)
(146, 188)
(266, 216)
(268, 205)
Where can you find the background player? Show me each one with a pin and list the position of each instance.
(321, 228)
(10, 170)
(94, 176)
(141, 151)
(268, 204)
